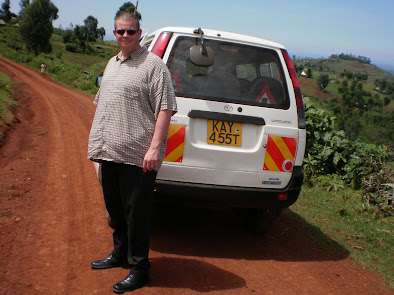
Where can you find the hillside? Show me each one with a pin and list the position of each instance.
(335, 66)
(354, 95)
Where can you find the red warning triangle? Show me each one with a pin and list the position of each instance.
(266, 93)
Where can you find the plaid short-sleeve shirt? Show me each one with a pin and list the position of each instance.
(132, 93)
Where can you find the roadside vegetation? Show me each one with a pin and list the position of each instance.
(348, 191)
(7, 105)
(75, 70)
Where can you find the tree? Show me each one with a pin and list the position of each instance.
(323, 81)
(349, 75)
(82, 33)
(5, 13)
(361, 76)
(90, 30)
(91, 24)
(309, 73)
(101, 33)
(23, 4)
(36, 25)
(128, 7)
(69, 37)
(298, 68)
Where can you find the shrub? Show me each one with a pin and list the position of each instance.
(378, 188)
(73, 48)
(363, 165)
(364, 160)
(322, 81)
(327, 150)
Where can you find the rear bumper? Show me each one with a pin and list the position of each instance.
(230, 196)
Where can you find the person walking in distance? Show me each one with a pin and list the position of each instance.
(128, 137)
(43, 67)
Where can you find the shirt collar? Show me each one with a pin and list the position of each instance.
(132, 56)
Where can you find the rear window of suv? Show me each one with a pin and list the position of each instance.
(240, 73)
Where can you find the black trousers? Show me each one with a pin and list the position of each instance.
(128, 195)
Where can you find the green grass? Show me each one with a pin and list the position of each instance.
(342, 216)
(6, 103)
(333, 89)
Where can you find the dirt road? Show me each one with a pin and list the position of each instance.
(53, 224)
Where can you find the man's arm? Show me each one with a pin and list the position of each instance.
(161, 128)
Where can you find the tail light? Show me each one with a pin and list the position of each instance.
(297, 90)
(161, 44)
(282, 197)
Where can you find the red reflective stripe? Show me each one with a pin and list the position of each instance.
(275, 153)
(291, 144)
(175, 140)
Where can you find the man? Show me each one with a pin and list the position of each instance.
(128, 137)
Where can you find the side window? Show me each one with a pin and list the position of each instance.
(270, 70)
(246, 71)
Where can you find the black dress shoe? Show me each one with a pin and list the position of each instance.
(108, 262)
(136, 279)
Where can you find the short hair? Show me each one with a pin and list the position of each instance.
(127, 16)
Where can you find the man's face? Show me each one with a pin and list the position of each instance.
(127, 43)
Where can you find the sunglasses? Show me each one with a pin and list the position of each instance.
(129, 32)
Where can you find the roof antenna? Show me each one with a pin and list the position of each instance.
(135, 9)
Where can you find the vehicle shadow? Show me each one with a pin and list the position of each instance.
(199, 276)
(217, 233)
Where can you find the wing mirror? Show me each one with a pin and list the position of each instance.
(201, 55)
(98, 80)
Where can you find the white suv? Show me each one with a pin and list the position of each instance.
(239, 136)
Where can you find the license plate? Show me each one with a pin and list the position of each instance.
(224, 133)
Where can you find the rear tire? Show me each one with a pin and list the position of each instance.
(258, 220)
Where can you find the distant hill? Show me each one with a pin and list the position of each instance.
(335, 66)
(374, 118)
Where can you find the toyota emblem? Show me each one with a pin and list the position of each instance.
(228, 108)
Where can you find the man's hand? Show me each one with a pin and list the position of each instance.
(151, 159)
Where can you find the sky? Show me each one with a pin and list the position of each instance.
(307, 28)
